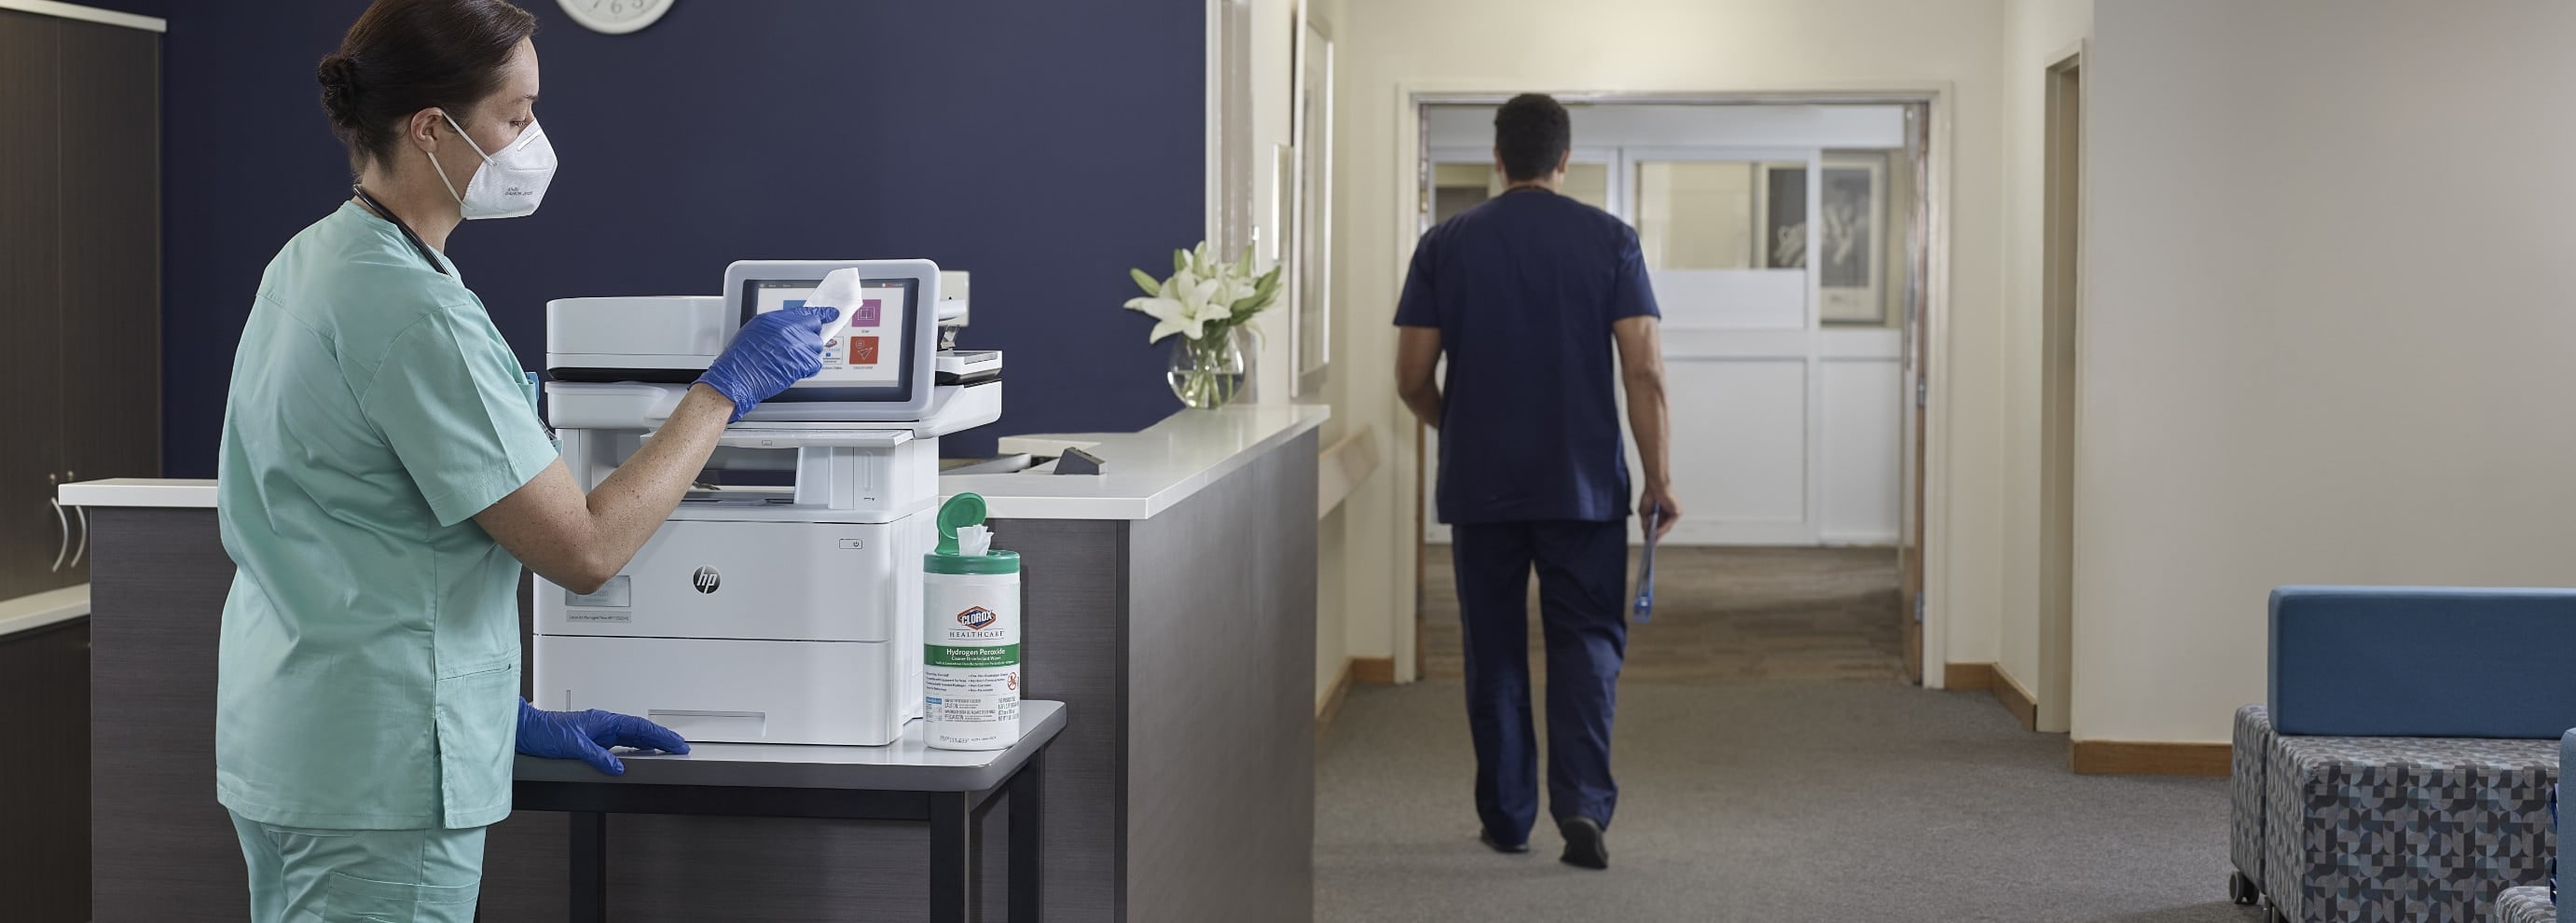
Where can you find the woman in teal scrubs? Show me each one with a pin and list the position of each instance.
(384, 476)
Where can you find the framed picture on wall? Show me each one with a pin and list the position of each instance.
(1310, 291)
(1847, 243)
(1782, 243)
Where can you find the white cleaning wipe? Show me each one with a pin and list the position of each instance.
(839, 289)
(974, 541)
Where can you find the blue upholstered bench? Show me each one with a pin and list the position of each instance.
(2402, 768)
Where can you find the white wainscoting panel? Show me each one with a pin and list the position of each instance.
(1862, 423)
(1739, 448)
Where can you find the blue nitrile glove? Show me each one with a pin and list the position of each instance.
(775, 350)
(587, 735)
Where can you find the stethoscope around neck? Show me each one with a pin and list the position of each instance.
(388, 214)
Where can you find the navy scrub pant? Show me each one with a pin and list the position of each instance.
(1582, 584)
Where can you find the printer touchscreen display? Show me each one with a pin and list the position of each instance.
(870, 352)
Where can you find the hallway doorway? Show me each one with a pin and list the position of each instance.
(1795, 354)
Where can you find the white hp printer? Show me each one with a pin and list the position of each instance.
(785, 613)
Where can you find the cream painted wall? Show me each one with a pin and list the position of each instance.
(1334, 551)
(2326, 328)
(1391, 49)
(1273, 33)
(2038, 34)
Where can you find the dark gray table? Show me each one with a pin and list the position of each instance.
(903, 781)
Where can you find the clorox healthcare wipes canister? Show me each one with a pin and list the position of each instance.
(970, 673)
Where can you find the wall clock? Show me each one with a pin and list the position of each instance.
(615, 17)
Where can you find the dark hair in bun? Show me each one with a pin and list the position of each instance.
(404, 56)
(338, 74)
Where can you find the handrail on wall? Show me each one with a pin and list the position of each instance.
(1341, 468)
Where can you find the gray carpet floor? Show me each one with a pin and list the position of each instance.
(1792, 802)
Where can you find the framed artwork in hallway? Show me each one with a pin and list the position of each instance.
(1846, 242)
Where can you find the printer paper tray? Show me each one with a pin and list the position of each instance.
(732, 691)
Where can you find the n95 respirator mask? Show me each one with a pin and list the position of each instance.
(510, 182)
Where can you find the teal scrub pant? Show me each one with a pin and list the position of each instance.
(304, 875)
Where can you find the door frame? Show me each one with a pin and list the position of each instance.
(1928, 346)
(2062, 220)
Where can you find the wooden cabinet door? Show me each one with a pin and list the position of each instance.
(31, 361)
(111, 258)
(44, 785)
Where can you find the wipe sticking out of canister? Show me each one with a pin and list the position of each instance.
(970, 668)
(839, 290)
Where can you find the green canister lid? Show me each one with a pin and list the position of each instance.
(960, 511)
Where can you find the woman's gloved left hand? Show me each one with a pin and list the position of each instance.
(587, 735)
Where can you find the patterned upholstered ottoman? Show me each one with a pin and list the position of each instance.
(2390, 829)
(2525, 905)
(2251, 751)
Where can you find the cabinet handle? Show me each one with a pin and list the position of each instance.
(83, 547)
(65, 525)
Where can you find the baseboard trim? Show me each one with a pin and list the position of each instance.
(1378, 671)
(2125, 758)
(1968, 677)
(1331, 706)
(2019, 701)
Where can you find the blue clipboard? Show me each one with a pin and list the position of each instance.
(1645, 610)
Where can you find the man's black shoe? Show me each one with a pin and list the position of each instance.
(1585, 846)
(1487, 837)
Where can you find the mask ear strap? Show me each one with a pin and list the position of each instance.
(460, 132)
(434, 167)
(441, 170)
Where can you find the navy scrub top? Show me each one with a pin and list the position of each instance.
(1524, 288)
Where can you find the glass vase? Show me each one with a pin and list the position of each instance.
(1207, 373)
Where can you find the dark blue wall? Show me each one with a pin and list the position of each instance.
(1043, 145)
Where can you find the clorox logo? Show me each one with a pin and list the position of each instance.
(978, 618)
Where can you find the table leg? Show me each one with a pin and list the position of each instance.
(589, 867)
(1028, 810)
(952, 858)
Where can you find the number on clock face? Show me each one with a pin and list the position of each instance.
(616, 16)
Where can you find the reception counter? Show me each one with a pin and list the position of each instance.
(1170, 605)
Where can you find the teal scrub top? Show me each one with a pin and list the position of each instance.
(370, 660)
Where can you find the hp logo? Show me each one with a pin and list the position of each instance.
(707, 579)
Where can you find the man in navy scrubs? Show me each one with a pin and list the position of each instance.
(1527, 294)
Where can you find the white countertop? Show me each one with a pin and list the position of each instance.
(171, 492)
(1143, 473)
(1146, 472)
(28, 613)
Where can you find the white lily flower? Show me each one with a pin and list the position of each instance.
(1202, 290)
(1186, 307)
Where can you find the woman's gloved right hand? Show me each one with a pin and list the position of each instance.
(777, 349)
(587, 735)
